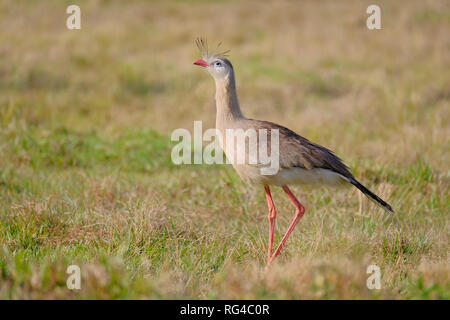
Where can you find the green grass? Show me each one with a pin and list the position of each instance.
(86, 176)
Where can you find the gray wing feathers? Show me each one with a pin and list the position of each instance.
(297, 151)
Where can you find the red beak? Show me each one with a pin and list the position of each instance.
(201, 63)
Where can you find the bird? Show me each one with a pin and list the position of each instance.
(300, 160)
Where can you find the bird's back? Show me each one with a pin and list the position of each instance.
(300, 160)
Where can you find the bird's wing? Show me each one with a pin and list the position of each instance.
(297, 151)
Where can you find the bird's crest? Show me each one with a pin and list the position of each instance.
(202, 45)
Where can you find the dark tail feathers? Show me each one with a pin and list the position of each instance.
(372, 196)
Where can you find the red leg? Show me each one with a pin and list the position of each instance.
(299, 211)
(272, 218)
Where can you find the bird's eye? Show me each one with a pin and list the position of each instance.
(218, 64)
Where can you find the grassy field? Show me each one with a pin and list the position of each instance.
(86, 176)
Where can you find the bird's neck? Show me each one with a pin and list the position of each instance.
(227, 104)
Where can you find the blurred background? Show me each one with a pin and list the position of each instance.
(85, 170)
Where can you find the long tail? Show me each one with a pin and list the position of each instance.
(372, 196)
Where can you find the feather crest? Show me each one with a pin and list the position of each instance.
(202, 45)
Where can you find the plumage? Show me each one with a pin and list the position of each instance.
(300, 160)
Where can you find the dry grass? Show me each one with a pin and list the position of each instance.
(85, 170)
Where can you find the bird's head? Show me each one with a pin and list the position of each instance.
(215, 63)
